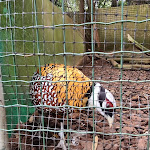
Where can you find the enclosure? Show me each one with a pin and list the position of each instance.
(104, 41)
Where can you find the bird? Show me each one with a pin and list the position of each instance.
(60, 85)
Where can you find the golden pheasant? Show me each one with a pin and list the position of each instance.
(57, 85)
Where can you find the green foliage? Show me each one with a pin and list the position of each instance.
(104, 3)
(124, 3)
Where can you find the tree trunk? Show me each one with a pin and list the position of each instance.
(114, 3)
(81, 10)
(3, 124)
(88, 27)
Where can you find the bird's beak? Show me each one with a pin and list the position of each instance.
(110, 120)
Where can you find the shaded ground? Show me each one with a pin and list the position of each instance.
(129, 122)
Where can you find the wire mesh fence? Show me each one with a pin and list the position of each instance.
(74, 74)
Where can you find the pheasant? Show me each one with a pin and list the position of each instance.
(57, 85)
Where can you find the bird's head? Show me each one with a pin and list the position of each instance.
(104, 102)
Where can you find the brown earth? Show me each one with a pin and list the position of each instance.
(130, 123)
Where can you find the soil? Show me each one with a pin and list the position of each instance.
(131, 117)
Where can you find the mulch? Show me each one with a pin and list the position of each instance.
(130, 121)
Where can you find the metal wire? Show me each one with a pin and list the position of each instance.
(35, 36)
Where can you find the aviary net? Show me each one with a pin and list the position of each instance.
(74, 74)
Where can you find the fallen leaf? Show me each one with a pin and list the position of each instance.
(96, 143)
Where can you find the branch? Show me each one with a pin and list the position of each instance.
(114, 63)
(134, 66)
(132, 60)
(139, 46)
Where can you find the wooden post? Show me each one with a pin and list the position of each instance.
(3, 125)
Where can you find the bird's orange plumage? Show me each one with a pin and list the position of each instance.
(73, 91)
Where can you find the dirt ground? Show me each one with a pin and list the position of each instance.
(131, 121)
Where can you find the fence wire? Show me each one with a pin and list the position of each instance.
(73, 46)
